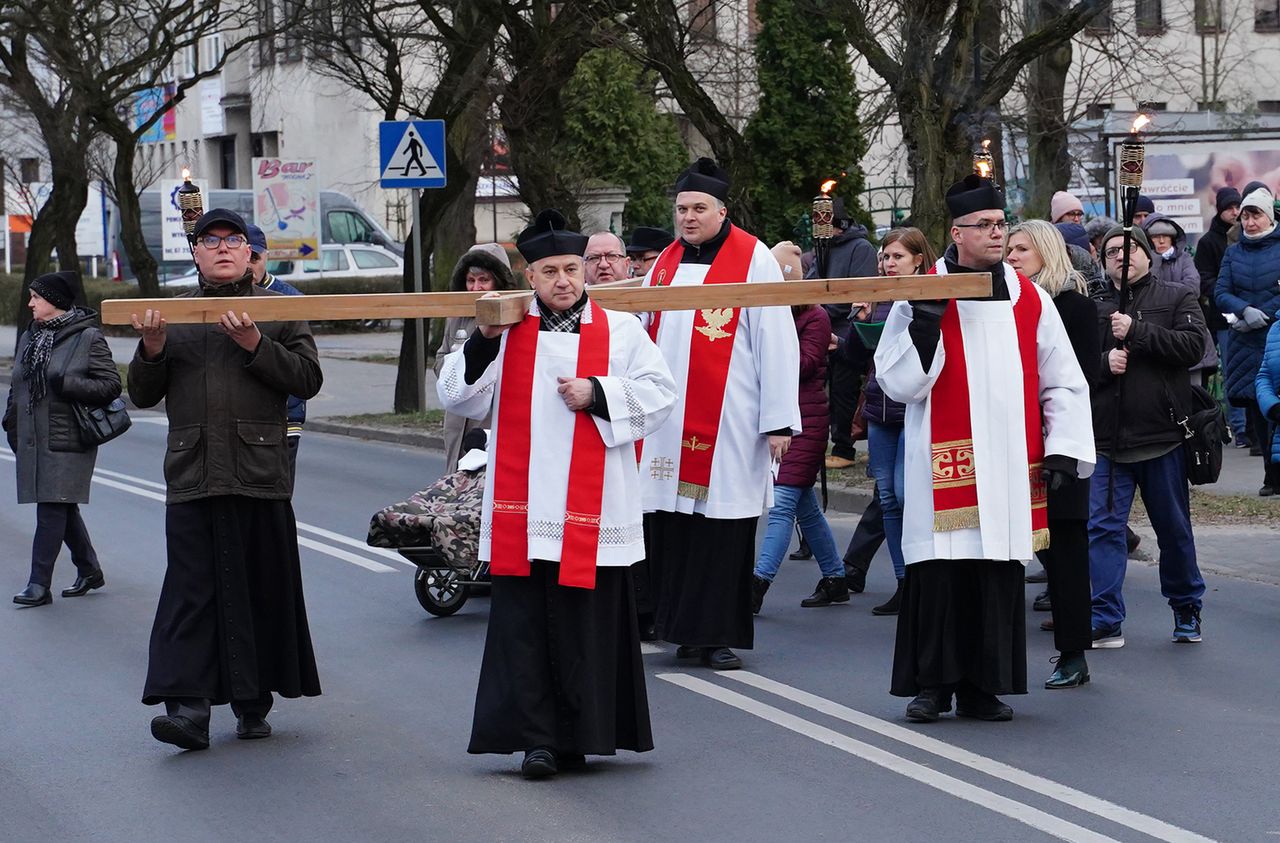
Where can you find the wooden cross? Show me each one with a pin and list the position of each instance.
(511, 307)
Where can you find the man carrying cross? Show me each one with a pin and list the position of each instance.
(997, 410)
(706, 472)
(572, 387)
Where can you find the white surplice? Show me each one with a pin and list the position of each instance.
(639, 392)
(762, 394)
(999, 422)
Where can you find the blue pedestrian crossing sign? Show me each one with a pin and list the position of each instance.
(411, 153)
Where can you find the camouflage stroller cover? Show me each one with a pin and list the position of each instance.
(445, 515)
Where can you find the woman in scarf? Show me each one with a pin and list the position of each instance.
(62, 359)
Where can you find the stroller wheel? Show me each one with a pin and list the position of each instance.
(439, 590)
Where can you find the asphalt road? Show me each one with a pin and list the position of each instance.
(1167, 743)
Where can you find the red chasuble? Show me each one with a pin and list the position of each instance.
(509, 550)
(955, 476)
(710, 352)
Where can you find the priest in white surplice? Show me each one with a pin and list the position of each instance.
(572, 388)
(706, 473)
(997, 410)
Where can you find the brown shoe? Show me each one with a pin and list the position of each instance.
(838, 462)
(1047, 624)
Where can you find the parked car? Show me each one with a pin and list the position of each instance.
(348, 259)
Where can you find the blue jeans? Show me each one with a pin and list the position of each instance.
(885, 448)
(792, 504)
(1163, 483)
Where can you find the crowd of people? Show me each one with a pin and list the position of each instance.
(631, 458)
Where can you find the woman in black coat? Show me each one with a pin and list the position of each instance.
(61, 359)
(1036, 249)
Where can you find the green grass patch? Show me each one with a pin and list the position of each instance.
(432, 420)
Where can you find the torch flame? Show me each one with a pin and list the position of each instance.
(827, 186)
(984, 169)
(186, 174)
(1139, 123)
(986, 145)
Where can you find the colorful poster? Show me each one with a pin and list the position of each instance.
(174, 243)
(147, 103)
(26, 200)
(1183, 178)
(286, 205)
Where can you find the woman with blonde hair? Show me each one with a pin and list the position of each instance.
(1036, 249)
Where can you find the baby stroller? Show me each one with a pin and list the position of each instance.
(438, 529)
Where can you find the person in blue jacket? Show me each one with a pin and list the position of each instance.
(1268, 389)
(297, 408)
(1247, 290)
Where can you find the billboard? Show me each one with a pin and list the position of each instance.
(286, 206)
(147, 103)
(173, 238)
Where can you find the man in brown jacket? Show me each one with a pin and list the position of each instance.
(231, 625)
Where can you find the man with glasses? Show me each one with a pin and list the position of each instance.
(605, 258)
(997, 413)
(297, 408)
(1150, 346)
(231, 624)
(646, 244)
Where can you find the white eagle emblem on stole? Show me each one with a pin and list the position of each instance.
(715, 321)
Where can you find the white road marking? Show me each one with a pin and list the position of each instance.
(350, 542)
(164, 420)
(1023, 813)
(147, 489)
(1045, 787)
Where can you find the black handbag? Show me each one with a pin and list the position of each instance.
(98, 425)
(1205, 431)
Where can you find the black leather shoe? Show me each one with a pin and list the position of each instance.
(1047, 624)
(855, 578)
(1072, 672)
(1042, 603)
(721, 658)
(1266, 492)
(179, 731)
(928, 705)
(759, 585)
(1131, 540)
(684, 651)
(829, 590)
(803, 553)
(252, 727)
(571, 762)
(982, 706)
(1038, 577)
(890, 606)
(539, 763)
(33, 595)
(83, 585)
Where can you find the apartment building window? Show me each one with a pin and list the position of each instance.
(1153, 106)
(294, 26)
(1100, 24)
(1211, 105)
(1266, 15)
(267, 46)
(1149, 16)
(212, 50)
(188, 61)
(29, 170)
(702, 19)
(1097, 110)
(1269, 106)
(322, 26)
(227, 161)
(1208, 16)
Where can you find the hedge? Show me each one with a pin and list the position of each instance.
(97, 290)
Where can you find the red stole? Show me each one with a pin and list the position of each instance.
(955, 477)
(710, 352)
(509, 547)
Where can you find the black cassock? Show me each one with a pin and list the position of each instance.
(562, 667)
(705, 565)
(231, 623)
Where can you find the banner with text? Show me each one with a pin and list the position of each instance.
(286, 206)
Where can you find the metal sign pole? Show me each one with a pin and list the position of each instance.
(420, 358)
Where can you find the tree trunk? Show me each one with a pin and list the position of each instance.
(55, 224)
(1049, 161)
(131, 234)
(939, 153)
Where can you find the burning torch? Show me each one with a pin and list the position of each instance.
(984, 163)
(823, 225)
(1133, 156)
(191, 204)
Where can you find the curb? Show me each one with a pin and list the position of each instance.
(377, 434)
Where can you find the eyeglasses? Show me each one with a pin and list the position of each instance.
(1075, 215)
(213, 241)
(609, 256)
(986, 225)
(1117, 251)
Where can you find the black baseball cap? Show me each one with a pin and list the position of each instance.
(221, 216)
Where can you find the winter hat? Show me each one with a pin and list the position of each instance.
(1139, 237)
(1145, 205)
(57, 288)
(1227, 196)
(1251, 187)
(1161, 226)
(1260, 199)
(1062, 204)
(787, 254)
(1074, 234)
(1098, 226)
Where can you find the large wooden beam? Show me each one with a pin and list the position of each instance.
(510, 307)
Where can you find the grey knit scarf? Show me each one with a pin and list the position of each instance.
(35, 357)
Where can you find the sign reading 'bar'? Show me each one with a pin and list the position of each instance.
(510, 307)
